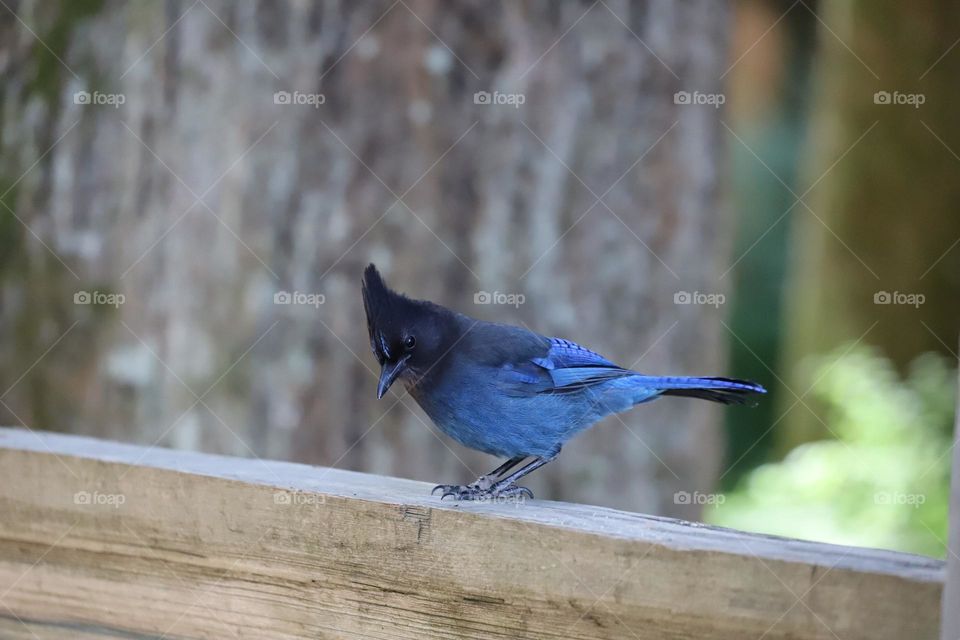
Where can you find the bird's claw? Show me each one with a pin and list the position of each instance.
(476, 493)
(459, 491)
(512, 491)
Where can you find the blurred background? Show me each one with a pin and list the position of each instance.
(764, 189)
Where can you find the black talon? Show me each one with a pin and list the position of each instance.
(446, 490)
(474, 492)
(460, 492)
(511, 490)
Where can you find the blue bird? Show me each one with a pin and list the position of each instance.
(505, 390)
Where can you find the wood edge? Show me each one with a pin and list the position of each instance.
(593, 520)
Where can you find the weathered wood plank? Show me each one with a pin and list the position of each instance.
(186, 545)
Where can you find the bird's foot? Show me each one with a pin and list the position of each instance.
(461, 491)
(511, 490)
(477, 492)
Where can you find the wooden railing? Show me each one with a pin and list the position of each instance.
(104, 540)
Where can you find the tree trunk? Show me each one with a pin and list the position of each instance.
(200, 198)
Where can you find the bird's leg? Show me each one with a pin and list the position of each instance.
(481, 486)
(486, 481)
(508, 486)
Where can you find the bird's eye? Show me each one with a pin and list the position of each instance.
(409, 343)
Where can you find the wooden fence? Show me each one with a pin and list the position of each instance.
(104, 540)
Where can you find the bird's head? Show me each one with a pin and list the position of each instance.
(407, 336)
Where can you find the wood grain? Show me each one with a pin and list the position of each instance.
(185, 545)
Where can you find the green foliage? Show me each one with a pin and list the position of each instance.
(883, 481)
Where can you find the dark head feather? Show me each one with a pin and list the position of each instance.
(393, 319)
(376, 294)
(376, 303)
(386, 311)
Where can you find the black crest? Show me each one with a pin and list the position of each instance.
(418, 331)
(383, 307)
(376, 295)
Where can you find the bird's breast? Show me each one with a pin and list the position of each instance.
(481, 416)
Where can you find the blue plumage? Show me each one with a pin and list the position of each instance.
(505, 390)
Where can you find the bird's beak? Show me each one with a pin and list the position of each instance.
(390, 372)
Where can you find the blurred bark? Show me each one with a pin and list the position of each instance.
(301, 198)
(884, 215)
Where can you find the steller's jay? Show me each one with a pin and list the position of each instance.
(504, 390)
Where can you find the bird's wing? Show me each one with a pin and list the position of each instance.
(564, 353)
(573, 367)
(565, 366)
(523, 379)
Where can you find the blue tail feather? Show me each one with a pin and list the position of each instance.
(724, 390)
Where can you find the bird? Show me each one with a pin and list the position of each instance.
(506, 390)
